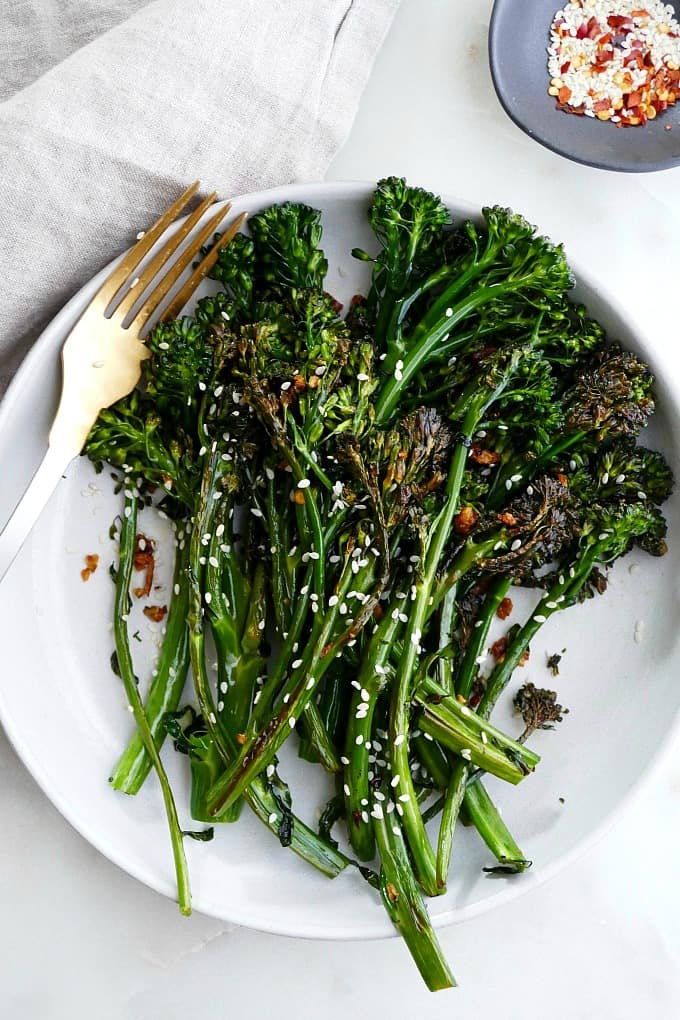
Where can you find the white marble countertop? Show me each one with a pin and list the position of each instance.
(80, 939)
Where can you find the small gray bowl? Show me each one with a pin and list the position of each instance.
(519, 35)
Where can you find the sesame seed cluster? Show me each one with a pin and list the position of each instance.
(615, 60)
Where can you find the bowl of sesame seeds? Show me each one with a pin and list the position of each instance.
(596, 81)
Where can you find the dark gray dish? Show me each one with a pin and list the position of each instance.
(519, 35)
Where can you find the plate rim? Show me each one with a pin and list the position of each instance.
(378, 928)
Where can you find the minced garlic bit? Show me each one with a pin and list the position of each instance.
(615, 60)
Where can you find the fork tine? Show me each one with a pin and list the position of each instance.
(176, 269)
(161, 257)
(181, 298)
(120, 274)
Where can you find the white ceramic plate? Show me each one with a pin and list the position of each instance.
(65, 711)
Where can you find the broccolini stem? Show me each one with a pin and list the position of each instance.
(258, 750)
(128, 532)
(455, 789)
(403, 899)
(321, 747)
(493, 830)
(453, 799)
(447, 626)
(259, 796)
(463, 731)
(283, 570)
(495, 594)
(418, 841)
(371, 681)
(166, 687)
(426, 341)
(433, 757)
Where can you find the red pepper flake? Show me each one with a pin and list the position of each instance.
(144, 560)
(481, 456)
(465, 521)
(504, 609)
(91, 564)
(155, 613)
(392, 893)
(499, 648)
(335, 304)
(601, 104)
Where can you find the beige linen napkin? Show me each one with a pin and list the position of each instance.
(109, 108)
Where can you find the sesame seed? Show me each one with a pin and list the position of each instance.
(212, 718)
(304, 483)
(404, 797)
(620, 479)
(272, 818)
(399, 739)
(291, 722)
(364, 816)
(466, 753)
(344, 760)
(359, 740)
(539, 618)
(346, 789)
(449, 313)
(270, 770)
(208, 597)
(296, 663)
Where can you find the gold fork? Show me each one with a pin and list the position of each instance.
(103, 353)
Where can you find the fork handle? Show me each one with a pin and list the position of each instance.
(29, 508)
